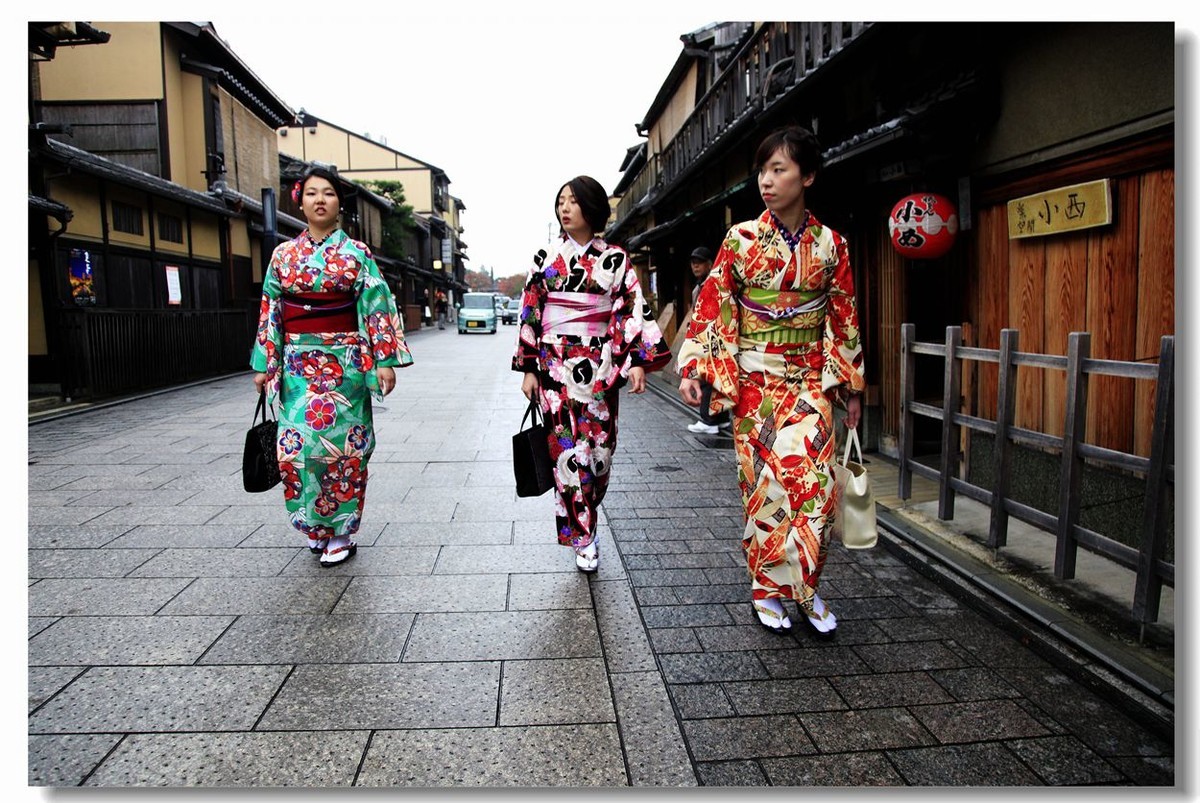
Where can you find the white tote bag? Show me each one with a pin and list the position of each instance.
(855, 523)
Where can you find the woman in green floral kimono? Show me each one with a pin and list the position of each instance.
(328, 339)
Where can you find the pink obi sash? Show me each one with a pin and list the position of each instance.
(578, 314)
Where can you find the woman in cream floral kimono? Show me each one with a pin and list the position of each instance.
(775, 332)
(585, 331)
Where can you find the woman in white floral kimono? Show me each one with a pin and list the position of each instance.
(328, 337)
(585, 330)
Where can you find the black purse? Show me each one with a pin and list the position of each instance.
(532, 465)
(260, 461)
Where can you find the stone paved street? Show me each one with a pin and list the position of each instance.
(181, 634)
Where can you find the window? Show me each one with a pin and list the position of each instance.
(170, 228)
(127, 218)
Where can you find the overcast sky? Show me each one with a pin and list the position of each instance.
(511, 105)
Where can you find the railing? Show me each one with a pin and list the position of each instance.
(778, 56)
(1152, 571)
(646, 178)
(113, 352)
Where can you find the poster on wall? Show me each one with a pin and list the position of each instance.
(83, 292)
(174, 296)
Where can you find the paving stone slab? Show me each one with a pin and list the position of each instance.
(117, 699)
(745, 637)
(39, 623)
(731, 773)
(117, 596)
(143, 514)
(425, 594)
(962, 765)
(46, 681)
(66, 759)
(986, 720)
(890, 689)
(837, 770)
(260, 760)
(1065, 761)
(554, 755)
(106, 562)
(126, 640)
(386, 696)
(312, 639)
(73, 536)
(153, 498)
(452, 533)
(757, 697)
(668, 577)
(256, 595)
(1146, 770)
(734, 594)
(686, 615)
(626, 645)
(240, 562)
(506, 559)
(702, 667)
(701, 700)
(504, 635)
(274, 534)
(653, 743)
(869, 729)
(549, 591)
(909, 656)
(57, 516)
(655, 595)
(472, 508)
(812, 661)
(974, 683)
(674, 639)
(410, 512)
(555, 692)
(746, 737)
(149, 536)
(369, 560)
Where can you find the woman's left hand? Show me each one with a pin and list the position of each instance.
(387, 379)
(637, 379)
(853, 410)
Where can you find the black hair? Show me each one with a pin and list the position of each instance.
(797, 142)
(329, 175)
(592, 200)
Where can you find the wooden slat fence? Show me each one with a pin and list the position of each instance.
(1152, 571)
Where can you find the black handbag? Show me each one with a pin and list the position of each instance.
(260, 461)
(532, 465)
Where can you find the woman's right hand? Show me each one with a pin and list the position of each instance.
(689, 389)
(260, 381)
(529, 384)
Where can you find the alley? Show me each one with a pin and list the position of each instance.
(180, 632)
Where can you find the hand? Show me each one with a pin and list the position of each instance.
(260, 381)
(637, 379)
(387, 379)
(853, 410)
(529, 384)
(689, 389)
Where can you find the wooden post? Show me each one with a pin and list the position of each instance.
(1079, 348)
(951, 399)
(1148, 590)
(1006, 404)
(908, 364)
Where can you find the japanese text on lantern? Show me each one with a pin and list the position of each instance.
(1079, 206)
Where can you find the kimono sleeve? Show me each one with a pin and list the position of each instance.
(533, 301)
(842, 373)
(268, 342)
(378, 316)
(636, 341)
(710, 347)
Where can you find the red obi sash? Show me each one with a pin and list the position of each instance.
(311, 313)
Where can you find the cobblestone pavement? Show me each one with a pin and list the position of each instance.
(180, 633)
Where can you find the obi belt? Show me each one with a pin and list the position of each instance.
(782, 316)
(311, 313)
(578, 314)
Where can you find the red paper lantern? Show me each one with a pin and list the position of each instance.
(923, 225)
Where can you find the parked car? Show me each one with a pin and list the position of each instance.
(477, 313)
(511, 311)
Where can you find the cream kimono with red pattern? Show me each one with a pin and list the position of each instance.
(781, 393)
